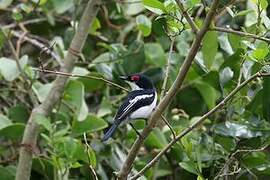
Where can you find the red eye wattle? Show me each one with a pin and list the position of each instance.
(135, 78)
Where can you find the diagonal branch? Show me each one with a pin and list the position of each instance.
(198, 122)
(81, 76)
(32, 129)
(240, 33)
(192, 24)
(170, 95)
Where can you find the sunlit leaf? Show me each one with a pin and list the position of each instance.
(155, 54)
(144, 24)
(209, 48)
(9, 69)
(62, 5)
(154, 6)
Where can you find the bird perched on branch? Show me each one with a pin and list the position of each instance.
(139, 103)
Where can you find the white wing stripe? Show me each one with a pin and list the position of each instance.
(133, 101)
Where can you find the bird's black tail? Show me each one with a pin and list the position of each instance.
(110, 132)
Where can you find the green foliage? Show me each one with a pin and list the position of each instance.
(128, 37)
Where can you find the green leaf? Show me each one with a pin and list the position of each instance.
(240, 130)
(4, 121)
(17, 16)
(80, 154)
(70, 146)
(74, 96)
(209, 48)
(80, 71)
(2, 39)
(144, 24)
(154, 6)
(43, 121)
(5, 3)
(18, 113)
(155, 54)
(6, 173)
(189, 166)
(91, 85)
(43, 166)
(244, 12)
(134, 61)
(95, 26)
(92, 157)
(209, 94)
(225, 75)
(105, 108)
(9, 69)
(40, 2)
(42, 90)
(261, 51)
(263, 4)
(13, 131)
(62, 6)
(91, 124)
(156, 139)
(266, 98)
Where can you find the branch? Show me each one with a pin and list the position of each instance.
(32, 129)
(240, 33)
(81, 76)
(192, 24)
(198, 122)
(37, 44)
(31, 21)
(167, 71)
(232, 156)
(170, 95)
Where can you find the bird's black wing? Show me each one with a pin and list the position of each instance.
(135, 100)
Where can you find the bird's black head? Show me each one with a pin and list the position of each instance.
(138, 81)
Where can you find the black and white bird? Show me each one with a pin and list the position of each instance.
(139, 103)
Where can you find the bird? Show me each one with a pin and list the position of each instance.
(138, 104)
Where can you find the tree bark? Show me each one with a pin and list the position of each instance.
(32, 129)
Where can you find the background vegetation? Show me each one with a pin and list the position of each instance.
(227, 87)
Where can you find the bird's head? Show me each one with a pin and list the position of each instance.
(138, 81)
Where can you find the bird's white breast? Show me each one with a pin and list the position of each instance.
(145, 111)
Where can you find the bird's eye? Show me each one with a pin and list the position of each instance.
(135, 78)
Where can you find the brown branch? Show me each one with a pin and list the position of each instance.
(192, 24)
(32, 129)
(170, 95)
(31, 21)
(198, 122)
(36, 43)
(167, 71)
(232, 156)
(240, 33)
(81, 76)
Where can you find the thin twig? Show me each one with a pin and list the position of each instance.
(88, 148)
(81, 76)
(198, 122)
(32, 21)
(36, 44)
(167, 71)
(168, 124)
(232, 156)
(240, 33)
(192, 24)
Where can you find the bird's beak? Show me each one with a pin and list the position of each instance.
(123, 77)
